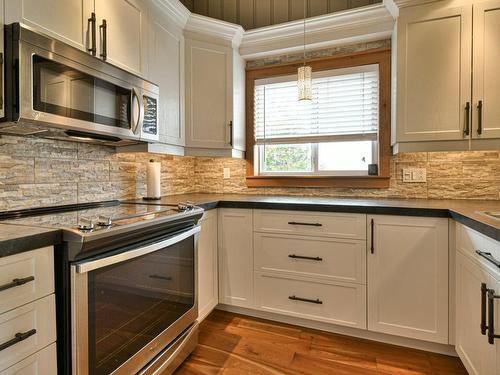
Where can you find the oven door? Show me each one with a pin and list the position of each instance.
(127, 307)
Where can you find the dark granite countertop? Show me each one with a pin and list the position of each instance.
(466, 212)
(18, 238)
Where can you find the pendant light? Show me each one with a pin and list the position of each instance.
(304, 81)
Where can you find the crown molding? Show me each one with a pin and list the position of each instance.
(352, 26)
(394, 6)
(215, 28)
(177, 12)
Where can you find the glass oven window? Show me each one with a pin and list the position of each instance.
(61, 90)
(132, 302)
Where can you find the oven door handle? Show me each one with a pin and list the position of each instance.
(85, 267)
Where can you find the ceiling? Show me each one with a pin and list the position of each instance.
(252, 14)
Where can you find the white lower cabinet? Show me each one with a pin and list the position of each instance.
(43, 362)
(235, 240)
(325, 301)
(408, 277)
(208, 293)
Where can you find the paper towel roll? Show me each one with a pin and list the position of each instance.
(153, 182)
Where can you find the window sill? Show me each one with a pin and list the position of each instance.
(365, 182)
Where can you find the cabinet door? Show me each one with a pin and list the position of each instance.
(166, 69)
(486, 75)
(235, 257)
(408, 277)
(208, 294)
(209, 104)
(64, 20)
(471, 345)
(126, 39)
(433, 73)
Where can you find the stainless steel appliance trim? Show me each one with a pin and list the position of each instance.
(79, 322)
(168, 360)
(107, 261)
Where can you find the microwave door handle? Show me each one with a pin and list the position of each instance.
(137, 125)
(122, 257)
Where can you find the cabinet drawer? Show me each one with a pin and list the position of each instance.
(336, 259)
(39, 316)
(34, 268)
(330, 302)
(340, 225)
(469, 242)
(43, 362)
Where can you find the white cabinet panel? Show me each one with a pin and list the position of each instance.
(434, 72)
(208, 293)
(235, 232)
(126, 38)
(486, 75)
(43, 362)
(63, 20)
(408, 277)
(331, 302)
(166, 69)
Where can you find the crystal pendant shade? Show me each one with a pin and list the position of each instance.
(304, 82)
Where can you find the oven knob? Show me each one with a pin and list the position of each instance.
(185, 206)
(104, 221)
(85, 224)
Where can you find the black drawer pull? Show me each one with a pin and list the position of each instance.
(16, 282)
(467, 119)
(318, 259)
(480, 117)
(168, 278)
(484, 290)
(491, 317)
(317, 301)
(372, 246)
(306, 224)
(488, 257)
(18, 337)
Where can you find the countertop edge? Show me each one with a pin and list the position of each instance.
(30, 242)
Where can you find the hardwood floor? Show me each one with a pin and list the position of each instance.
(236, 344)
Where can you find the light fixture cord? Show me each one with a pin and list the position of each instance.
(305, 15)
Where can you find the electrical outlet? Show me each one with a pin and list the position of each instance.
(227, 173)
(414, 175)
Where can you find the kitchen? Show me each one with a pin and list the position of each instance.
(169, 204)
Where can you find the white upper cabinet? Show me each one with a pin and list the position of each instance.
(126, 36)
(486, 74)
(433, 73)
(408, 277)
(166, 69)
(64, 20)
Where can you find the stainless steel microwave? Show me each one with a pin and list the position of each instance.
(54, 90)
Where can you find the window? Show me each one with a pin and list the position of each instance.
(336, 135)
(333, 134)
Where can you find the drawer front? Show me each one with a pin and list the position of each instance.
(34, 270)
(341, 303)
(340, 225)
(43, 362)
(320, 257)
(469, 241)
(39, 316)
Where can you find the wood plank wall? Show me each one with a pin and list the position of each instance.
(258, 13)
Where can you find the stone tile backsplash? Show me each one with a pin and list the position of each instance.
(40, 172)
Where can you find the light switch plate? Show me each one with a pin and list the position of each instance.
(414, 175)
(227, 173)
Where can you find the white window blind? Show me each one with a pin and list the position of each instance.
(345, 105)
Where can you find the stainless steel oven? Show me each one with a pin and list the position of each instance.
(127, 307)
(54, 90)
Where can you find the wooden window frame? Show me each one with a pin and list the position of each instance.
(382, 57)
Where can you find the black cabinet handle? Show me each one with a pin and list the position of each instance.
(316, 301)
(18, 337)
(318, 259)
(103, 29)
(1, 80)
(16, 282)
(467, 119)
(484, 290)
(480, 117)
(306, 224)
(231, 135)
(488, 257)
(91, 23)
(168, 278)
(372, 246)
(491, 317)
